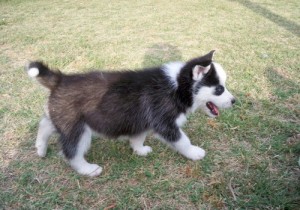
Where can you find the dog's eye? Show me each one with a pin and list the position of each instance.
(219, 90)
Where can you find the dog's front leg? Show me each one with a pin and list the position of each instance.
(137, 144)
(178, 140)
(184, 147)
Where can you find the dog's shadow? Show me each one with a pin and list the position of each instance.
(161, 53)
(277, 79)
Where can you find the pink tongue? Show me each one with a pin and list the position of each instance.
(215, 109)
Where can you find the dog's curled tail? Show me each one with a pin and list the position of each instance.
(40, 71)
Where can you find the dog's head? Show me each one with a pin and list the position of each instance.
(209, 91)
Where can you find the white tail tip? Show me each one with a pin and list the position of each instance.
(33, 72)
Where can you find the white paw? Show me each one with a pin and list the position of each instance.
(41, 151)
(143, 151)
(90, 170)
(194, 153)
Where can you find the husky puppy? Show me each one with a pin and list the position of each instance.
(130, 103)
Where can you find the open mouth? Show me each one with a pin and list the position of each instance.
(213, 108)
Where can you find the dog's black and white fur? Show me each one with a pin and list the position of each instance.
(130, 103)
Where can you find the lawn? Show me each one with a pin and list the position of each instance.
(253, 150)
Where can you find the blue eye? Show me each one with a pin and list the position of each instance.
(219, 90)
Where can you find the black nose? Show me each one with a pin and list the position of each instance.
(233, 101)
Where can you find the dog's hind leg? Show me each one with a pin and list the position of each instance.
(75, 144)
(178, 140)
(137, 144)
(46, 128)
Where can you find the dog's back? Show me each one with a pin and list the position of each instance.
(111, 103)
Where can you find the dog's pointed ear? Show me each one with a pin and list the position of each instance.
(209, 56)
(199, 71)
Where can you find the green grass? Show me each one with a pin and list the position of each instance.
(252, 150)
